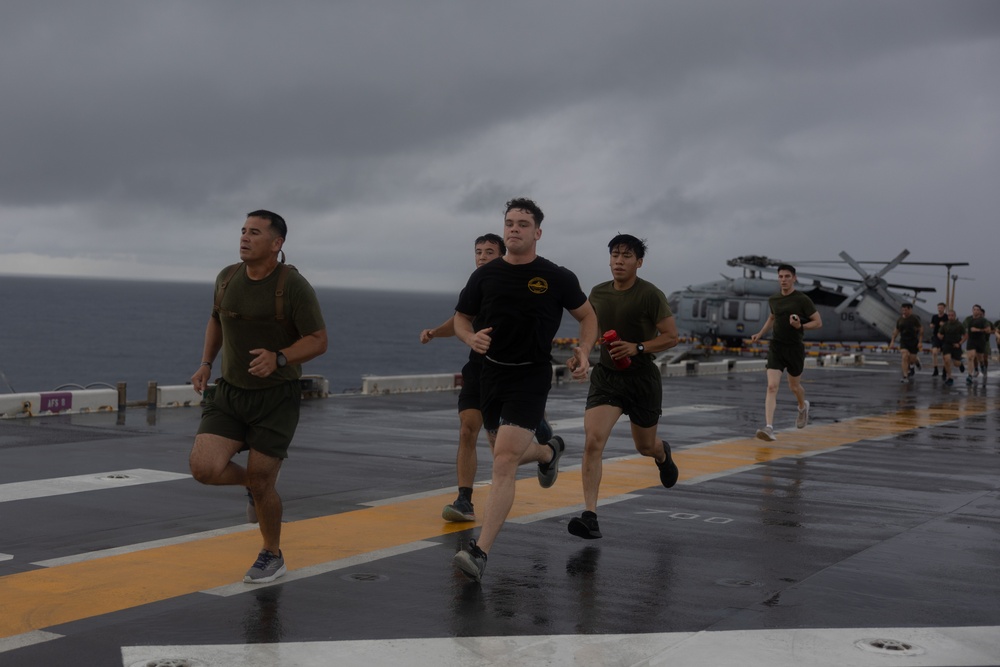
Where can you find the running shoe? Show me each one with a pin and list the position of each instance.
(585, 526)
(904, 380)
(543, 434)
(766, 433)
(968, 379)
(460, 510)
(949, 382)
(935, 373)
(472, 562)
(961, 367)
(251, 508)
(547, 472)
(912, 371)
(266, 569)
(668, 470)
(803, 418)
(917, 364)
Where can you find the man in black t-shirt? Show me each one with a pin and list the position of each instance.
(910, 330)
(519, 299)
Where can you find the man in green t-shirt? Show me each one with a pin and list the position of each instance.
(977, 344)
(910, 330)
(267, 323)
(951, 334)
(626, 381)
(791, 313)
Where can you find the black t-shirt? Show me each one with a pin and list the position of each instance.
(523, 303)
(936, 322)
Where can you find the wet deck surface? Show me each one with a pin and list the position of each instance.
(879, 521)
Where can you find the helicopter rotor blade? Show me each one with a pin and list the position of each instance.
(893, 264)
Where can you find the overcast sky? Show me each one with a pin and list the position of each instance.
(135, 136)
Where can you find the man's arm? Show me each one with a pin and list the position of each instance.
(764, 329)
(479, 341)
(444, 330)
(666, 338)
(213, 343)
(579, 363)
(305, 348)
(815, 322)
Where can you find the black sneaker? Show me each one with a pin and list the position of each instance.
(917, 363)
(471, 562)
(460, 510)
(668, 469)
(961, 367)
(912, 371)
(547, 472)
(935, 373)
(585, 526)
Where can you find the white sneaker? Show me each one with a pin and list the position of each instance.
(766, 433)
(803, 418)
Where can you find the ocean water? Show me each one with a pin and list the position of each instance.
(59, 331)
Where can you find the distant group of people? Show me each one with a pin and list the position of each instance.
(266, 322)
(948, 334)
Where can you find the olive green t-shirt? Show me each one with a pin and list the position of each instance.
(633, 313)
(908, 327)
(248, 323)
(952, 332)
(782, 307)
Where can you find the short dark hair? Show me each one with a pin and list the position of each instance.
(907, 305)
(277, 222)
(493, 238)
(524, 204)
(942, 303)
(786, 267)
(637, 246)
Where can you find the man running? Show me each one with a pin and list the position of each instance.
(910, 331)
(791, 313)
(519, 299)
(638, 312)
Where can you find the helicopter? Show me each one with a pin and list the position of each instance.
(863, 309)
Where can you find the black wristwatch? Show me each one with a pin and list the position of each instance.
(639, 348)
(279, 358)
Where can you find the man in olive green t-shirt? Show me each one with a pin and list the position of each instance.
(791, 313)
(267, 323)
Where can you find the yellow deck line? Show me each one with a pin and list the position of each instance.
(44, 598)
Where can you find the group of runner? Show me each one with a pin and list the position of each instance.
(948, 335)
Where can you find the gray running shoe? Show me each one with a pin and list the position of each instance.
(547, 472)
(803, 418)
(472, 562)
(251, 508)
(766, 433)
(585, 526)
(460, 510)
(266, 569)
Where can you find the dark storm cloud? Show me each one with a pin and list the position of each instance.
(703, 123)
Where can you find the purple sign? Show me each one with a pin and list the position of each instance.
(56, 401)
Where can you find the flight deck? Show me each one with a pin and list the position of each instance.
(870, 537)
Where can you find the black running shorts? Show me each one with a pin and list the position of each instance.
(469, 398)
(638, 392)
(782, 356)
(514, 395)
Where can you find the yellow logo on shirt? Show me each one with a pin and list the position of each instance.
(538, 285)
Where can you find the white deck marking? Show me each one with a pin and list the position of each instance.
(942, 647)
(97, 481)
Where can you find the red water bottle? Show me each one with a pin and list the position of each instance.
(611, 336)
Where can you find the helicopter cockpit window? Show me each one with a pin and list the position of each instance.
(751, 311)
(732, 310)
(694, 308)
(704, 308)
